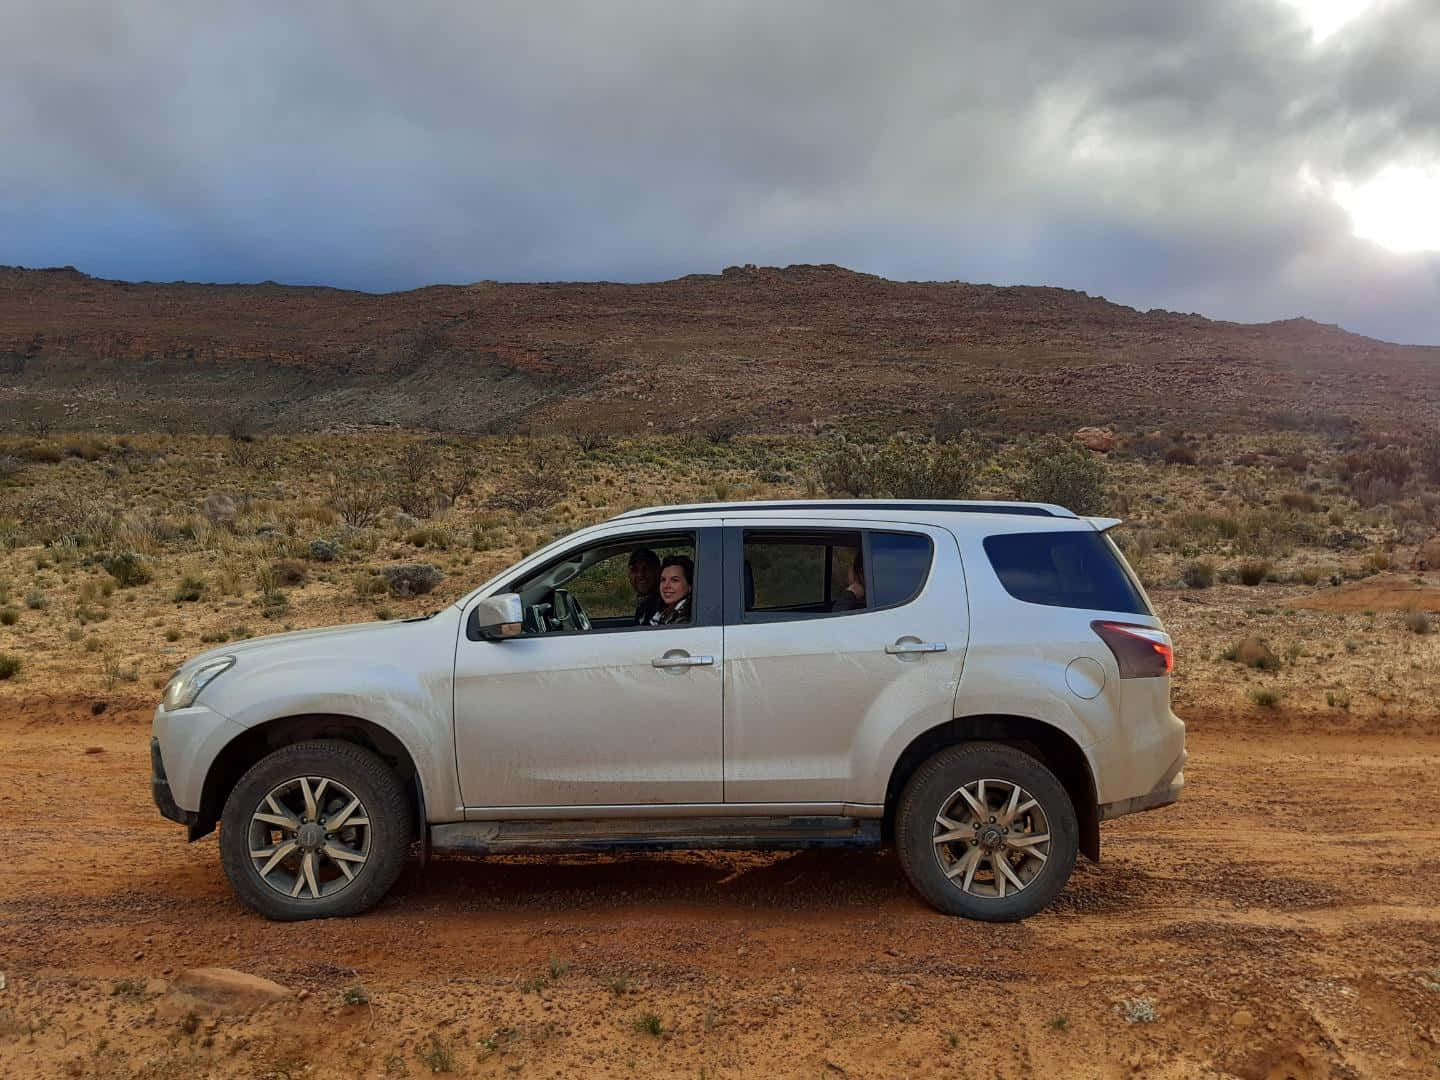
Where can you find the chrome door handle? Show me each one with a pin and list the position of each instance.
(682, 661)
(903, 647)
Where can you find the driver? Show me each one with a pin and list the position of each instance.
(645, 580)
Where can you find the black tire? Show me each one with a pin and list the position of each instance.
(935, 787)
(390, 829)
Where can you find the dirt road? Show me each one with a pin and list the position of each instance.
(1282, 921)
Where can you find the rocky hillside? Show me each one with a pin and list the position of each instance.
(758, 348)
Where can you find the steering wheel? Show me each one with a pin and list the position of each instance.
(569, 612)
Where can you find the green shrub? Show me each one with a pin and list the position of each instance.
(128, 570)
(1060, 472)
(35, 600)
(1180, 455)
(9, 665)
(903, 467)
(1266, 699)
(9, 616)
(1417, 622)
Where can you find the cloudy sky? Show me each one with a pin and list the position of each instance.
(1247, 159)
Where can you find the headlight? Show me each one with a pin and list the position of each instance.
(184, 689)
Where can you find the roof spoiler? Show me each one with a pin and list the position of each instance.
(1104, 524)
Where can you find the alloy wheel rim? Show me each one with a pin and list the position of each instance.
(309, 837)
(991, 838)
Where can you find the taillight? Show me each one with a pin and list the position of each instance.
(1141, 652)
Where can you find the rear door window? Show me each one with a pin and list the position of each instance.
(1072, 569)
(817, 572)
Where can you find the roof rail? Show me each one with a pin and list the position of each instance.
(934, 506)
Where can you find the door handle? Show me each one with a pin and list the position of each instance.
(902, 647)
(682, 661)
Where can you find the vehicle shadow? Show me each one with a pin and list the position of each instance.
(781, 880)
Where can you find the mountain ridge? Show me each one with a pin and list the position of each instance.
(763, 348)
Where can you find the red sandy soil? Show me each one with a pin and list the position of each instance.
(1283, 920)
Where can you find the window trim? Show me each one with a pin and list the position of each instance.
(735, 615)
(707, 608)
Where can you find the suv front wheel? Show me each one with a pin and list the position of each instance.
(315, 829)
(986, 831)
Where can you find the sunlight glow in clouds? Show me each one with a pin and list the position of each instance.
(1327, 16)
(1399, 208)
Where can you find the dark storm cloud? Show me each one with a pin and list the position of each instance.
(1150, 151)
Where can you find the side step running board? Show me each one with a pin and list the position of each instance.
(653, 834)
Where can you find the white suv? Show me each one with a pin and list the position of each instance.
(978, 684)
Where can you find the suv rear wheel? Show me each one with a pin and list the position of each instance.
(986, 831)
(315, 829)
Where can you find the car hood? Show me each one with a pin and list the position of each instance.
(320, 636)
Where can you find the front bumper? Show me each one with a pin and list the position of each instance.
(160, 791)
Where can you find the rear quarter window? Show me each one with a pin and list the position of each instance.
(1064, 569)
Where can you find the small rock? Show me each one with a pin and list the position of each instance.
(1101, 440)
(215, 991)
(2, 980)
(1242, 1018)
(891, 950)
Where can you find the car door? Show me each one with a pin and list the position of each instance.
(617, 716)
(813, 695)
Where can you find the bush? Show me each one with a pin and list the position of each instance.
(1253, 572)
(1266, 699)
(189, 590)
(1428, 456)
(434, 536)
(1198, 575)
(128, 570)
(1059, 472)
(324, 550)
(288, 572)
(412, 579)
(1417, 622)
(357, 497)
(368, 585)
(9, 616)
(1179, 455)
(903, 467)
(1302, 501)
(9, 665)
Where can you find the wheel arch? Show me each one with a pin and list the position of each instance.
(255, 743)
(1052, 746)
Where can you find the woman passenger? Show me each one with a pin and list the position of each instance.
(677, 574)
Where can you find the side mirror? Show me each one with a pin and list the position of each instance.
(499, 617)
